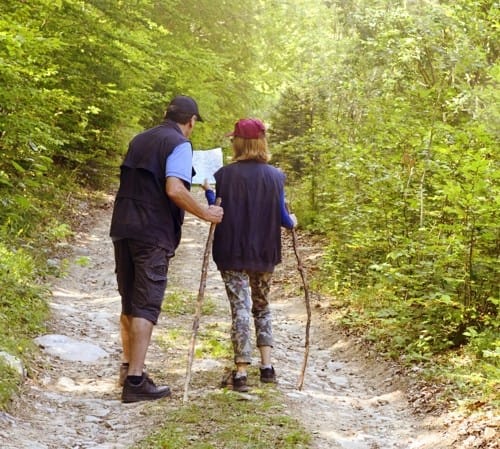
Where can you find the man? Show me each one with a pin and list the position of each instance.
(146, 229)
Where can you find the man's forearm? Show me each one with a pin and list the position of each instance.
(182, 197)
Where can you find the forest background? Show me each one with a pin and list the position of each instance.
(383, 114)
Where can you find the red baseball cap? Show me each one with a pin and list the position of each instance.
(248, 128)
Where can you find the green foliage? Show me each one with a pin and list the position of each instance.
(390, 140)
(84, 77)
(9, 384)
(22, 303)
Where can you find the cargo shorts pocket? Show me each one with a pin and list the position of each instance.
(157, 276)
(157, 273)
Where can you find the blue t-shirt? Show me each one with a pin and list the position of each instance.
(180, 162)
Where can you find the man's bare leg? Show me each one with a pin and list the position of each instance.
(124, 333)
(137, 386)
(140, 331)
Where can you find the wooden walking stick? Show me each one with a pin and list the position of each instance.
(300, 267)
(199, 304)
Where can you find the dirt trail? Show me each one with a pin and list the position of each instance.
(346, 402)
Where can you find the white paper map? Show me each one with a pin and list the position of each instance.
(206, 163)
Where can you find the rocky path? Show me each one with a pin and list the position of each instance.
(72, 399)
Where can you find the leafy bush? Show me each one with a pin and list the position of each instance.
(22, 302)
(23, 312)
(9, 384)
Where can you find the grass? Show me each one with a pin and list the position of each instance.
(179, 302)
(212, 338)
(214, 342)
(226, 420)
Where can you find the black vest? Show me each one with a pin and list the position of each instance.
(142, 209)
(249, 236)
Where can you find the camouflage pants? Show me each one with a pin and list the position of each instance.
(248, 292)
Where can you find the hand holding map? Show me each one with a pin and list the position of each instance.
(206, 163)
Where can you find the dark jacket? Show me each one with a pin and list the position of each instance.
(249, 236)
(142, 209)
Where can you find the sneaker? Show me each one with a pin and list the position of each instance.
(124, 373)
(145, 391)
(268, 375)
(239, 384)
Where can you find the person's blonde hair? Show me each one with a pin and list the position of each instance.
(250, 149)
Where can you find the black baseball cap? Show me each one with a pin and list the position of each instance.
(183, 103)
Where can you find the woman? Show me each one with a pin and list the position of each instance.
(247, 243)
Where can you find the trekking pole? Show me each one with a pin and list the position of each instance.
(199, 304)
(300, 267)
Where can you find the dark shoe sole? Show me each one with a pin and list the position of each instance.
(268, 381)
(242, 389)
(137, 397)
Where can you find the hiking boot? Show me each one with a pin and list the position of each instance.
(268, 375)
(239, 384)
(145, 391)
(124, 373)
